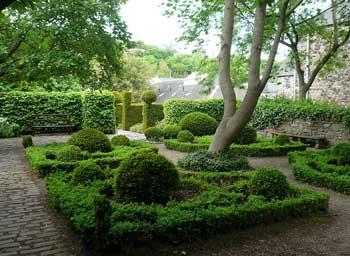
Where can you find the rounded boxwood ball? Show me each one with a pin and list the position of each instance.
(91, 140)
(69, 153)
(342, 150)
(199, 124)
(153, 134)
(87, 172)
(247, 135)
(171, 131)
(185, 136)
(270, 183)
(147, 177)
(282, 139)
(149, 96)
(120, 140)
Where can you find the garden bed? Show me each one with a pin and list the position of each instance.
(263, 147)
(41, 164)
(322, 169)
(216, 202)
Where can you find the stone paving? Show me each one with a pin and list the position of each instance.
(27, 226)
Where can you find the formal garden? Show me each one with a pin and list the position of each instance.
(126, 128)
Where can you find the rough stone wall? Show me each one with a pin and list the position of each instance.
(334, 132)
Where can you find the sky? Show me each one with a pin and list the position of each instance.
(146, 22)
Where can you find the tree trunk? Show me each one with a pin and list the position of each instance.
(302, 91)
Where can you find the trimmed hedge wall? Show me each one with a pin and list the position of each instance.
(99, 112)
(268, 113)
(256, 149)
(176, 109)
(317, 168)
(19, 107)
(152, 113)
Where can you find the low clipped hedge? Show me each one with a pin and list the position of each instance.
(321, 168)
(43, 159)
(264, 147)
(215, 208)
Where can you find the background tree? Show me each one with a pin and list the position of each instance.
(332, 32)
(61, 39)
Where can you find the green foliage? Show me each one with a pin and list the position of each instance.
(87, 172)
(8, 130)
(171, 131)
(131, 113)
(138, 128)
(208, 162)
(282, 139)
(20, 107)
(27, 141)
(247, 136)
(152, 113)
(270, 183)
(176, 109)
(342, 150)
(199, 124)
(149, 96)
(185, 136)
(120, 140)
(69, 153)
(263, 147)
(272, 113)
(91, 140)
(47, 51)
(321, 168)
(148, 178)
(154, 134)
(99, 112)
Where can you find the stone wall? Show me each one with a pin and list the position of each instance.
(334, 132)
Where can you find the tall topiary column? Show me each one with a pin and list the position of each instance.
(148, 97)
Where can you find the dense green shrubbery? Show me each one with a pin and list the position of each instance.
(87, 172)
(199, 124)
(8, 130)
(138, 128)
(149, 96)
(247, 136)
(154, 134)
(19, 107)
(185, 136)
(147, 178)
(27, 141)
(270, 183)
(171, 131)
(176, 109)
(321, 168)
(91, 140)
(120, 140)
(342, 150)
(263, 147)
(69, 153)
(282, 139)
(99, 112)
(208, 162)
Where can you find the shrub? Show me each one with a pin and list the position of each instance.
(120, 140)
(149, 96)
(69, 153)
(153, 134)
(87, 171)
(8, 130)
(199, 124)
(270, 183)
(99, 112)
(138, 128)
(342, 150)
(185, 136)
(51, 155)
(147, 178)
(208, 162)
(171, 131)
(27, 141)
(247, 136)
(282, 139)
(91, 140)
